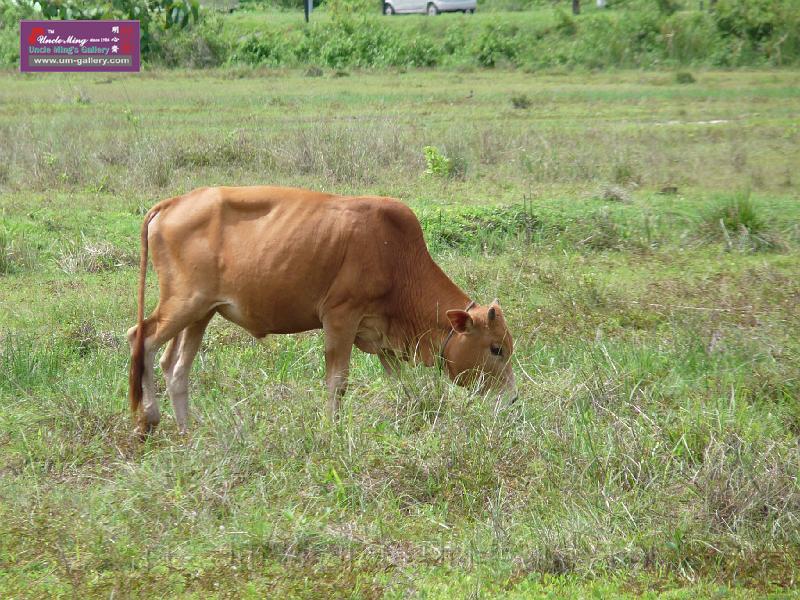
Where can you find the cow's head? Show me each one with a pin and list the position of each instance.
(479, 350)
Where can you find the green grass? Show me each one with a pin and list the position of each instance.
(653, 453)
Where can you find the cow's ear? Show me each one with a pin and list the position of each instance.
(494, 308)
(460, 320)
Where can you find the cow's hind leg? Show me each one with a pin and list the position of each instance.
(170, 357)
(340, 334)
(178, 377)
(165, 323)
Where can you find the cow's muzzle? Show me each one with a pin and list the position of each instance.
(510, 390)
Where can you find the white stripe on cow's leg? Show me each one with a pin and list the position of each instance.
(178, 382)
(170, 357)
(165, 323)
(340, 334)
(150, 415)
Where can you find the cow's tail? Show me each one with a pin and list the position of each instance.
(137, 355)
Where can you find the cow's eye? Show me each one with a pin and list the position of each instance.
(496, 350)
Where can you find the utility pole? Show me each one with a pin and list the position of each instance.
(576, 7)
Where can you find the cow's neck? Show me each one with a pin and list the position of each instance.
(430, 300)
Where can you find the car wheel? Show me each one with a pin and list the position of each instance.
(388, 10)
(432, 10)
(469, 11)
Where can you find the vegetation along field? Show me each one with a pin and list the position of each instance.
(640, 229)
(528, 34)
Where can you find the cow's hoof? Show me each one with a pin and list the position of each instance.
(144, 429)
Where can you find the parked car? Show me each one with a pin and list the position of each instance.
(431, 7)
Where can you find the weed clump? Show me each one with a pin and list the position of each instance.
(15, 254)
(605, 232)
(521, 101)
(625, 173)
(737, 222)
(615, 193)
(738, 212)
(94, 257)
(472, 227)
(84, 338)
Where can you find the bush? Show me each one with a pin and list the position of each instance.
(495, 43)
(265, 49)
(629, 34)
(521, 101)
(436, 162)
(195, 47)
(736, 213)
(692, 38)
(759, 31)
(154, 16)
(737, 222)
(477, 228)
(753, 20)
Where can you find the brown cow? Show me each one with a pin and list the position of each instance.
(284, 260)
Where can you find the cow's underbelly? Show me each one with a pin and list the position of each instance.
(370, 336)
(261, 320)
(268, 293)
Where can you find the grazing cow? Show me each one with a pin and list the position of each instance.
(284, 260)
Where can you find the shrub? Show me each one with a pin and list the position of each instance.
(478, 227)
(691, 37)
(520, 101)
(264, 49)
(736, 222)
(415, 51)
(667, 7)
(494, 44)
(153, 15)
(737, 212)
(201, 46)
(630, 34)
(750, 19)
(436, 162)
(441, 165)
(348, 9)
(566, 24)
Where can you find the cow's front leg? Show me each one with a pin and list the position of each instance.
(390, 361)
(340, 334)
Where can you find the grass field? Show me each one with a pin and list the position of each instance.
(643, 238)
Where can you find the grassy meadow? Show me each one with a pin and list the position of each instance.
(641, 230)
